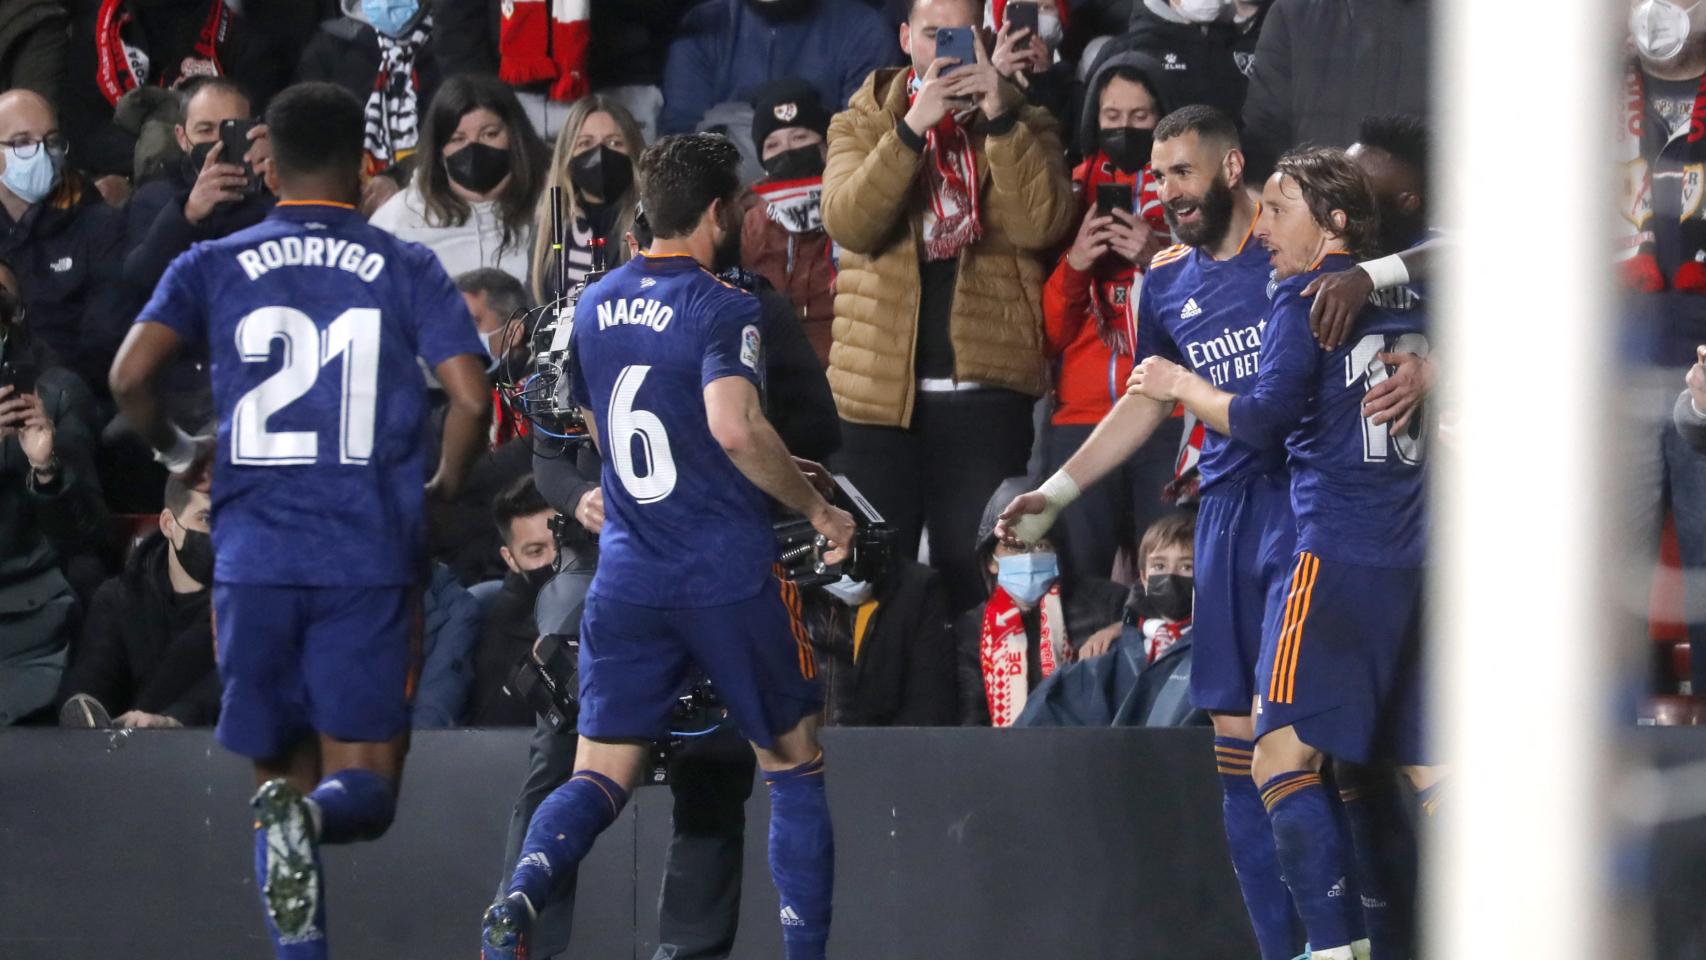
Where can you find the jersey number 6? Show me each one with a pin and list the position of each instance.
(354, 335)
(626, 425)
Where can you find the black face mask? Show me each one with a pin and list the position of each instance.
(727, 255)
(195, 555)
(197, 158)
(601, 173)
(528, 583)
(1165, 595)
(1126, 147)
(478, 167)
(800, 163)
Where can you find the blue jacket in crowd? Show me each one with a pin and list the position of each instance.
(724, 50)
(447, 653)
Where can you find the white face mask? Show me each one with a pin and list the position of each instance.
(1048, 27)
(1199, 11)
(1660, 28)
(849, 591)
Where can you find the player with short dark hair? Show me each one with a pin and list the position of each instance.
(313, 321)
(667, 367)
(1340, 671)
(1202, 304)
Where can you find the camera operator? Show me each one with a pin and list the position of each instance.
(711, 777)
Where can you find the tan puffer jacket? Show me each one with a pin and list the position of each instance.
(872, 208)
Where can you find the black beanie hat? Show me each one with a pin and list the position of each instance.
(790, 102)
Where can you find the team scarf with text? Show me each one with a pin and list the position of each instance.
(952, 219)
(795, 205)
(1005, 659)
(122, 66)
(1635, 252)
(393, 108)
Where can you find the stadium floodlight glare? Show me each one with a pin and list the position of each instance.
(1519, 864)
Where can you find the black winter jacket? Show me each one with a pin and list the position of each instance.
(904, 673)
(145, 647)
(1090, 603)
(68, 251)
(34, 35)
(1200, 63)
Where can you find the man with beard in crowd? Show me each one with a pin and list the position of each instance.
(1202, 306)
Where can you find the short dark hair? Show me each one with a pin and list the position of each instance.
(316, 128)
(1404, 136)
(520, 499)
(503, 292)
(177, 497)
(681, 175)
(1131, 74)
(1208, 123)
(1330, 180)
(529, 159)
(1173, 529)
(194, 88)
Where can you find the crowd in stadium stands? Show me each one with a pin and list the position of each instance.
(950, 312)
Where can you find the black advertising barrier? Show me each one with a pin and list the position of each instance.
(951, 844)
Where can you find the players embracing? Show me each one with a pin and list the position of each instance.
(1340, 675)
(666, 368)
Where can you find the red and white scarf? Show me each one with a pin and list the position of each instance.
(952, 219)
(1635, 252)
(121, 66)
(541, 40)
(794, 205)
(1006, 660)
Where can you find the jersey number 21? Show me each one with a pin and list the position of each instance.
(353, 336)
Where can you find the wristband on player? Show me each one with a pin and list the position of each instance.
(1386, 272)
(181, 456)
(1059, 490)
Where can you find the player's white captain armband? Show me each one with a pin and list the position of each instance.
(1060, 490)
(181, 456)
(1386, 272)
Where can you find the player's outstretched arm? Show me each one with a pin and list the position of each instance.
(465, 423)
(737, 422)
(1126, 427)
(147, 350)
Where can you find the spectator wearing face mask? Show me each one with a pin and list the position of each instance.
(64, 242)
(726, 50)
(1323, 65)
(119, 46)
(1090, 318)
(383, 52)
(1207, 48)
(593, 164)
(530, 552)
(145, 658)
(50, 506)
(460, 533)
(475, 188)
(782, 238)
(943, 187)
(205, 196)
(1032, 622)
(885, 653)
(1032, 61)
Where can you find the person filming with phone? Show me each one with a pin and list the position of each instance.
(1090, 316)
(942, 188)
(50, 507)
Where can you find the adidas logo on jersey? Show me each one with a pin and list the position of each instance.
(648, 281)
(790, 918)
(1190, 309)
(1337, 889)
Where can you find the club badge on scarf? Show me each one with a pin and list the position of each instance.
(952, 219)
(1636, 251)
(794, 204)
(1005, 660)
